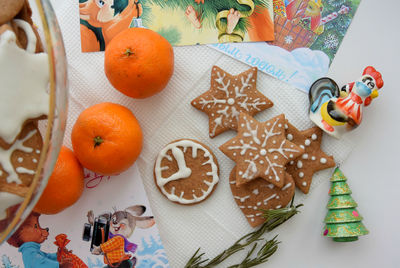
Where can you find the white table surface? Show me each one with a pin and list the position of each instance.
(372, 39)
(372, 167)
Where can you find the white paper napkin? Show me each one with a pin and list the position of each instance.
(216, 223)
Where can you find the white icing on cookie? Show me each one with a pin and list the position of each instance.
(185, 172)
(24, 79)
(232, 100)
(307, 142)
(286, 186)
(254, 134)
(323, 160)
(30, 35)
(242, 199)
(314, 137)
(268, 198)
(5, 156)
(7, 200)
(22, 170)
(299, 164)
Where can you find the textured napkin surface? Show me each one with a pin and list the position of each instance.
(216, 223)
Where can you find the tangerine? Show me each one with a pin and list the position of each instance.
(65, 184)
(139, 62)
(107, 138)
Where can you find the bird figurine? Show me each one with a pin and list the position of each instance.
(337, 111)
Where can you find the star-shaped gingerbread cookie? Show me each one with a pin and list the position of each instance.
(312, 160)
(261, 149)
(228, 96)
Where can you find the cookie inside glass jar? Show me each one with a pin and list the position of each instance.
(25, 77)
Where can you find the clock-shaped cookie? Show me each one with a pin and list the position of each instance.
(186, 172)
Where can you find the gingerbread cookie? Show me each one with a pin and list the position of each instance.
(260, 194)
(20, 139)
(18, 165)
(28, 93)
(312, 160)
(228, 96)
(261, 149)
(9, 9)
(186, 171)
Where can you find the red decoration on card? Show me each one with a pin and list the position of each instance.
(63, 253)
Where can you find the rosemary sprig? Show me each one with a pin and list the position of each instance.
(273, 218)
(262, 256)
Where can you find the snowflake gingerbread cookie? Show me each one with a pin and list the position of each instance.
(18, 164)
(259, 195)
(228, 96)
(24, 76)
(261, 149)
(312, 160)
(186, 172)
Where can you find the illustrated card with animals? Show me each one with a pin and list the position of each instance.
(181, 22)
(113, 215)
(308, 34)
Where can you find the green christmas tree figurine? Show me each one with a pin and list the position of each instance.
(343, 222)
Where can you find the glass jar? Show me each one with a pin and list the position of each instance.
(52, 129)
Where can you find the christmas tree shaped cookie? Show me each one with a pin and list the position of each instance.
(343, 222)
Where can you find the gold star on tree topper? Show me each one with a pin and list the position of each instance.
(228, 96)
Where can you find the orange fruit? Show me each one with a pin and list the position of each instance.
(65, 184)
(139, 62)
(107, 138)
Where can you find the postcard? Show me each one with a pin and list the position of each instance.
(117, 206)
(308, 34)
(181, 22)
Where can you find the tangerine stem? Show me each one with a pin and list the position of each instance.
(128, 52)
(97, 141)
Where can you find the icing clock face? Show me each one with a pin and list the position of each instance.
(24, 80)
(186, 172)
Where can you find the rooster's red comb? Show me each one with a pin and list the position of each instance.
(375, 74)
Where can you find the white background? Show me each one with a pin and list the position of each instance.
(372, 167)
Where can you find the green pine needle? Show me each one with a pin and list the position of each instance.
(273, 218)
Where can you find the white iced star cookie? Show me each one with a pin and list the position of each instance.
(24, 79)
(228, 96)
(261, 150)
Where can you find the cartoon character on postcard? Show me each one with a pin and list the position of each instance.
(109, 233)
(181, 22)
(118, 230)
(101, 20)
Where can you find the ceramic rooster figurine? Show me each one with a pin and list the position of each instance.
(337, 111)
